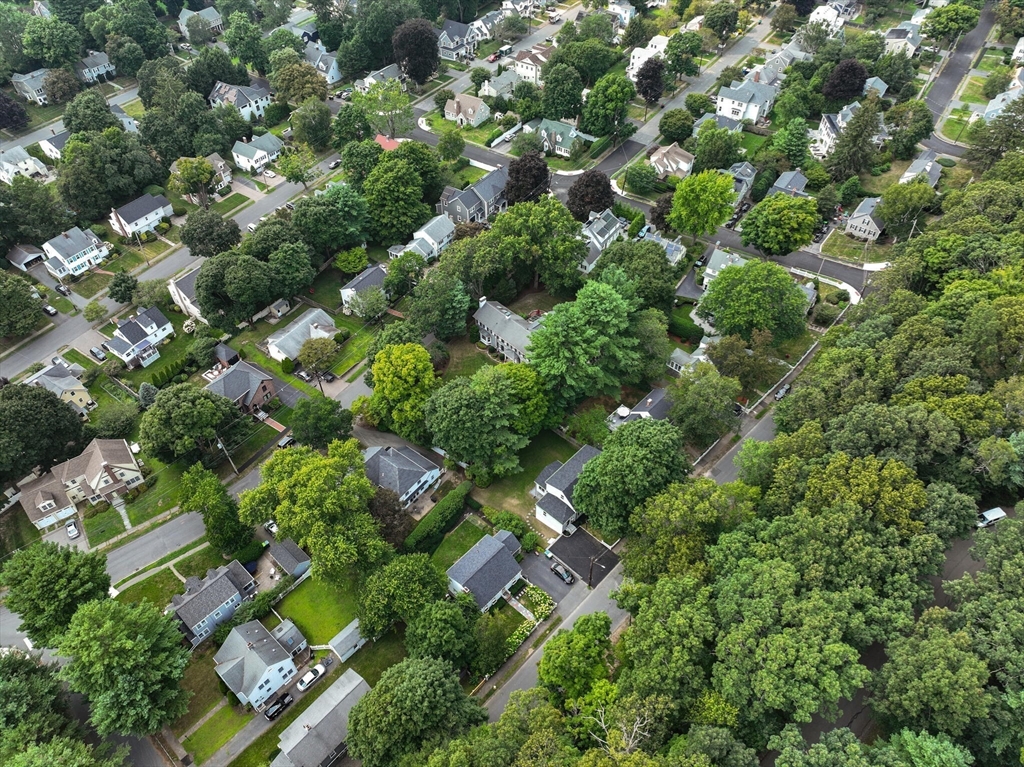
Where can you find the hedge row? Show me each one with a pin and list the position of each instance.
(431, 530)
(598, 147)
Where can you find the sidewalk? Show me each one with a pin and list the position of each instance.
(147, 573)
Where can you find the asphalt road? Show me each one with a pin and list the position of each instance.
(158, 542)
(726, 470)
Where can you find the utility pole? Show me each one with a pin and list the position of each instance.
(590, 577)
(222, 446)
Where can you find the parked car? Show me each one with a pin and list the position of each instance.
(305, 376)
(818, 237)
(737, 408)
(275, 709)
(58, 361)
(73, 532)
(730, 223)
(782, 392)
(328, 376)
(333, 164)
(990, 517)
(290, 205)
(269, 174)
(549, 40)
(745, 207)
(643, 231)
(49, 310)
(252, 226)
(63, 289)
(699, 262)
(492, 58)
(562, 573)
(98, 353)
(310, 677)
(286, 442)
(270, 526)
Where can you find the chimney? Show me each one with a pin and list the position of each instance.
(650, 401)
(483, 300)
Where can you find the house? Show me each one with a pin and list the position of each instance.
(810, 295)
(317, 737)
(128, 122)
(674, 250)
(829, 18)
(30, 85)
(925, 167)
(224, 356)
(554, 486)
(693, 25)
(183, 293)
(681, 360)
(249, 101)
(290, 559)
(25, 256)
(314, 323)
(655, 405)
(140, 215)
(671, 160)
(743, 179)
(846, 9)
(622, 13)
(74, 252)
(600, 231)
(247, 386)
(63, 381)
(348, 641)
(905, 37)
(135, 340)
(502, 85)
(487, 571)
(221, 176)
(401, 470)
(15, 161)
(721, 122)
(639, 56)
(528, 64)
(557, 137)
(520, 7)
(429, 240)
(455, 41)
(864, 223)
(255, 663)
(255, 155)
(211, 14)
(209, 601)
(995, 107)
(504, 330)
(104, 470)
(371, 277)
(41, 8)
(95, 67)
(466, 110)
(791, 52)
(477, 202)
(1018, 51)
(792, 182)
(831, 127)
(390, 72)
(719, 260)
(747, 100)
(484, 27)
(53, 146)
(326, 64)
(876, 84)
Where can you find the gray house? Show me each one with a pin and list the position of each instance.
(371, 277)
(255, 663)
(315, 323)
(30, 85)
(792, 182)
(504, 330)
(554, 486)
(477, 202)
(246, 385)
(289, 557)
(487, 571)
(743, 179)
(865, 223)
(924, 167)
(317, 738)
(600, 231)
(655, 405)
(401, 470)
(210, 601)
(455, 40)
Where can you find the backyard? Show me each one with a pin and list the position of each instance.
(878, 184)
(157, 588)
(465, 359)
(204, 684)
(320, 609)
(513, 493)
(172, 352)
(532, 301)
(161, 497)
(16, 530)
(458, 542)
(218, 730)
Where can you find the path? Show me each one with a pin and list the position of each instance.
(166, 566)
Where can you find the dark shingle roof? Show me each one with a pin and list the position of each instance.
(245, 656)
(554, 508)
(565, 478)
(186, 283)
(204, 596)
(323, 727)
(240, 382)
(396, 468)
(141, 207)
(547, 471)
(485, 569)
(371, 276)
(288, 555)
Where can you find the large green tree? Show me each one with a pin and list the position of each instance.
(318, 421)
(20, 311)
(563, 92)
(206, 233)
(185, 420)
(386, 107)
(52, 41)
(759, 295)
(444, 630)
(36, 429)
(701, 203)
(334, 221)
(245, 42)
(605, 112)
(394, 191)
(902, 205)
(403, 380)
(399, 591)
(201, 491)
(575, 660)
(703, 403)
(780, 224)
(646, 265)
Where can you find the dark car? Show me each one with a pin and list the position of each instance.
(562, 573)
(730, 223)
(328, 376)
(745, 207)
(63, 289)
(98, 353)
(737, 408)
(699, 262)
(49, 310)
(275, 709)
(818, 237)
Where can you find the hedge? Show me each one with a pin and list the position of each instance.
(598, 147)
(250, 552)
(430, 531)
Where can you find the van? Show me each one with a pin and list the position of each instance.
(505, 50)
(990, 517)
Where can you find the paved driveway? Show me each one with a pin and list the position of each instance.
(688, 288)
(537, 570)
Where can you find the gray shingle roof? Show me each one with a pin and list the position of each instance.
(322, 727)
(186, 283)
(290, 340)
(20, 255)
(204, 596)
(555, 508)
(438, 228)
(59, 141)
(224, 353)
(57, 378)
(288, 555)
(485, 569)
(94, 59)
(239, 383)
(720, 121)
(73, 241)
(750, 92)
(655, 405)
(565, 478)
(547, 471)
(142, 206)
(237, 95)
(512, 328)
(396, 468)
(371, 276)
(790, 182)
(508, 540)
(925, 166)
(246, 655)
(867, 208)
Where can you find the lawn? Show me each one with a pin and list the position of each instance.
(354, 349)
(248, 438)
(377, 657)
(102, 527)
(37, 115)
(564, 163)
(229, 203)
(134, 109)
(477, 135)
(456, 543)
(955, 126)
(63, 305)
(160, 498)
(878, 184)
(465, 359)
(252, 354)
(327, 287)
(171, 353)
(838, 245)
(990, 62)
(467, 176)
(218, 730)
(794, 348)
(197, 564)
(75, 356)
(158, 588)
(16, 530)
(91, 284)
(320, 609)
(955, 178)
(204, 684)
(129, 259)
(972, 91)
(750, 143)
(531, 301)
(508, 618)
(512, 493)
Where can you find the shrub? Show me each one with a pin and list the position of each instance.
(255, 609)
(598, 147)
(287, 366)
(178, 210)
(825, 314)
(163, 228)
(506, 520)
(150, 481)
(494, 135)
(275, 113)
(99, 230)
(636, 226)
(224, 191)
(473, 503)
(531, 542)
(685, 328)
(250, 552)
(474, 333)
(946, 162)
(430, 531)
(544, 605)
(841, 295)
(460, 164)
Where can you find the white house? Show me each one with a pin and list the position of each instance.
(553, 488)
(483, 28)
(528, 64)
(255, 663)
(487, 571)
(829, 18)
(681, 360)
(501, 85)
(747, 100)
(15, 161)
(638, 57)
(209, 601)
(557, 137)
(140, 215)
(183, 293)
(623, 12)
(1018, 51)
(390, 72)
(136, 340)
(371, 277)
(211, 14)
(94, 67)
(904, 37)
(995, 107)
(520, 7)
(30, 85)
(466, 110)
(823, 141)
(255, 155)
(326, 64)
(925, 167)
(504, 330)
(429, 240)
(286, 344)
(865, 223)
(655, 406)
(671, 160)
(847, 9)
(719, 260)
(53, 146)
(401, 470)
(248, 101)
(74, 252)
(600, 231)
(455, 40)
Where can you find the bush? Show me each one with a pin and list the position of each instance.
(598, 147)
(99, 230)
(250, 552)
(494, 135)
(506, 520)
(473, 503)
(287, 366)
(163, 228)
(474, 333)
(224, 191)
(636, 226)
(255, 609)
(685, 328)
(825, 314)
(150, 481)
(178, 209)
(342, 336)
(946, 162)
(430, 531)
(276, 113)
(531, 542)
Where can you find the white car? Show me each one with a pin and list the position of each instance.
(269, 174)
(271, 527)
(72, 529)
(310, 677)
(990, 517)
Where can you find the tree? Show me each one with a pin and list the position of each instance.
(909, 122)
(954, 21)
(855, 149)
(53, 42)
(358, 159)
(318, 421)
(575, 660)
(780, 224)
(184, 420)
(88, 111)
(389, 512)
(353, 261)
(122, 287)
(702, 202)
(702, 404)
(650, 82)
(759, 295)
(311, 123)
(317, 354)
(415, 701)
(38, 428)
(298, 166)
(245, 42)
(596, 26)
(403, 379)
(440, 304)
(528, 178)
(60, 86)
(369, 304)
(699, 104)
(563, 92)
(901, 206)
(444, 630)
(784, 18)
(199, 30)
(386, 108)
(152, 292)
(147, 394)
(606, 110)
(590, 192)
(94, 311)
(450, 145)
(923, 750)
(291, 268)
(792, 141)
(206, 233)
(350, 124)
(716, 148)
(846, 81)
(676, 125)
(404, 273)
(640, 178)
(394, 191)
(202, 492)
(638, 32)
(591, 58)
(336, 220)
(20, 311)
(400, 590)
(721, 18)
(12, 114)
(46, 584)
(129, 661)
(644, 263)
(681, 54)
(299, 83)
(415, 46)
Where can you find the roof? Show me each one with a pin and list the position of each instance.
(438, 228)
(877, 83)
(386, 143)
(210, 13)
(59, 140)
(810, 294)
(14, 154)
(512, 328)
(556, 508)
(655, 405)
(237, 95)
(58, 379)
(565, 477)
(485, 570)
(926, 166)
(538, 55)
(240, 382)
(721, 121)
(134, 331)
(142, 206)
(224, 353)
(491, 186)
(288, 555)
(396, 468)
(39, 490)
(547, 471)
(203, 596)
(390, 72)
(93, 59)
(506, 81)
(508, 540)
(291, 339)
(564, 132)
(722, 258)
(867, 208)
(674, 250)
(22, 254)
(463, 104)
(454, 29)
(73, 241)
(186, 283)
(33, 79)
(750, 92)
(674, 153)
(790, 182)
(113, 452)
(322, 727)
(371, 276)
(603, 225)
(246, 655)
(268, 142)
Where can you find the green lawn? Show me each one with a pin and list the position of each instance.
(954, 127)
(465, 359)
(134, 109)
(75, 356)
(377, 657)
(327, 288)
(972, 91)
(878, 184)
(129, 259)
(564, 163)
(354, 349)
(102, 527)
(63, 305)
(161, 497)
(512, 493)
(750, 143)
(16, 531)
(218, 730)
(198, 563)
(456, 543)
(838, 245)
(172, 351)
(531, 301)
(320, 609)
(794, 348)
(467, 176)
(229, 203)
(507, 617)
(158, 588)
(91, 284)
(990, 62)
(204, 684)
(248, 439)
(477, 135)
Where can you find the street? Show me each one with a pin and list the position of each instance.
(726, 470)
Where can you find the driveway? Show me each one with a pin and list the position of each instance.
(588, 558)
(688, 287)
(537, 570)
(60, 535)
